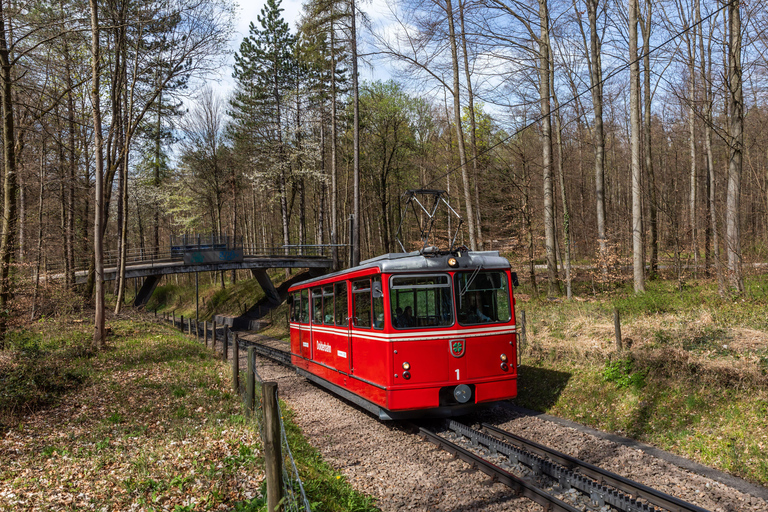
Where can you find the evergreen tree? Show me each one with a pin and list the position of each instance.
(264, 70)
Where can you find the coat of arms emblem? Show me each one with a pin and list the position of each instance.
(457, 347)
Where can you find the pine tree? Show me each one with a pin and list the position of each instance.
(264, 73)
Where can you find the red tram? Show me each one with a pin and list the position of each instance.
(410, 335)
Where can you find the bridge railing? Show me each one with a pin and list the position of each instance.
(152, 255)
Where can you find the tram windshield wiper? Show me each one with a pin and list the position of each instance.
(471, 279)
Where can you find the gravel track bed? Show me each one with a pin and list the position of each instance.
(405, 473)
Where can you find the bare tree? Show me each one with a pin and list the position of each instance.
(735, 148)
(98, 218)
(593, 49)
(638, 261)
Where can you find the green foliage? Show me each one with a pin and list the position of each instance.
(622, 373)
(43, 367)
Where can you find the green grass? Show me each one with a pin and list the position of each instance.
(700, 418)
(233, 299)
(665, 297)
(695, 381)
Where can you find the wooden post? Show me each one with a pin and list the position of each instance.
(273, 457)
(205, 332)
(235, 364)
(250, 382)
(181, 326)
(225, 346)
(522, 340)
(197, 330)
(617, 328)
(213, 336)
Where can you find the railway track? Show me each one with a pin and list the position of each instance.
(554, 480)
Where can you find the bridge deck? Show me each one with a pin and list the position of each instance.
(157, 268)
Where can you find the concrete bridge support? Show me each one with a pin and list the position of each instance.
(142, 297)
(266, 284)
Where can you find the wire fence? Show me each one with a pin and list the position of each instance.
(294, 496)
(251, 389)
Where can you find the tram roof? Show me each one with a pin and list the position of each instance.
(415, 262)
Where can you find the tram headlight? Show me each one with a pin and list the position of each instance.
(406, 366)
(504, 358)
(406, 375)
(504, 367)
(452, 262)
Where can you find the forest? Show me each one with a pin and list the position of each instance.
(611, 141)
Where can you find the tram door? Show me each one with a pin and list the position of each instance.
(305, 335)
(342, 318)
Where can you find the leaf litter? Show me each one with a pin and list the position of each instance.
(155, 427)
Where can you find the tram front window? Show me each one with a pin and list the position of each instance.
(420, 301)
(482, 297)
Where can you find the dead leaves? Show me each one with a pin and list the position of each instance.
(130, 440)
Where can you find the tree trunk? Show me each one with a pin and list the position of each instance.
(334, 168)
(356, 141)
(638, 261)
(472, 127)
(41, 202)
(546, 139)
(692, 199)
(457, 121)
(598, 133)
(706, 74)
(652, 206)
(735, 148)
(9, 181)
(69, 237)
(98, 232)
(561, 175)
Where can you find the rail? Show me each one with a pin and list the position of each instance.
(519, 485)
(568, 472)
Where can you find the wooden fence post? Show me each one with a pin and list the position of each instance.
(617, 328)
(273, 457)
(250, 383)
(213, 336)
(181, 324)
(205, 332)
(235, 364)
(226, 342)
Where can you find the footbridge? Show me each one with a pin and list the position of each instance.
(194, 254)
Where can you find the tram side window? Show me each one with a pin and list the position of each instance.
(420, 301)
(482, 297)
(378, 303)
(294, 299)
(304, 307)
(317, 306)
(361, 292)
(328, 305)
(341, 303)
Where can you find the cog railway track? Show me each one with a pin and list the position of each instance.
(554, 480)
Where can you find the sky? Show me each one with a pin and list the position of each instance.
(248, 11)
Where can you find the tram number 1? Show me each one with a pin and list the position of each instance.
(457, 374)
